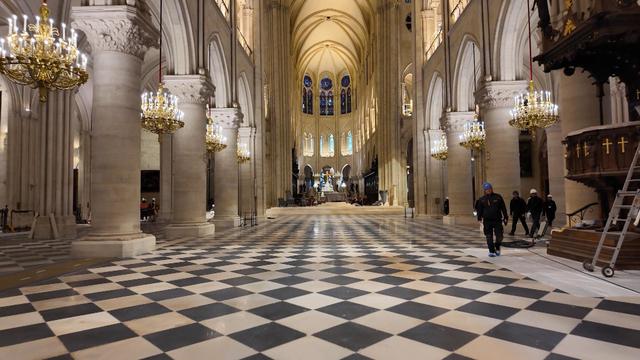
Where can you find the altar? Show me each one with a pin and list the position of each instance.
(334, 196)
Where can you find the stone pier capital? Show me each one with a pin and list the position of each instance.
(190, 89)
(228, 118)
(500, 94)
(246, 132)
(454, 122)
(118, 28)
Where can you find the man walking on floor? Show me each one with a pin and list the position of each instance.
(517, 209)
(535, 208)
(492, 212)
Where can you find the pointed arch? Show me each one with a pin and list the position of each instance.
(435, 101)
(464, 73)
(219, 72)
(245, 100)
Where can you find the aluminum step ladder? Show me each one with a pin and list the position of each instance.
(632, 215)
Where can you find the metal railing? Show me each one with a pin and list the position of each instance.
(224, 9)
(437, 40)
(577, 216)
(245, 44)
(458, 10)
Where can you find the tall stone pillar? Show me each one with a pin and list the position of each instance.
(247, 178)
(166, 178)
(459, 176)
(55, 168)
(578, 107)
(188, 216)
(502, 146)
(557, 169)
(435, 175)
(118, 38)
(226, 184)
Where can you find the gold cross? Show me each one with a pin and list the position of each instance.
(586, 149)
(607, 144)
(578, 151)
(622, 142)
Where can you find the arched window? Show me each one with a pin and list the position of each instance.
(322, 150)
(332, 146)
(326, 96)
(308, 145)
(307, 95)
(346, 144)
(349, 143)
(345, 95)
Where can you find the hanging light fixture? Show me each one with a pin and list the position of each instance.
(533, 110)
(216, 142)
(474, 135)
(39, 56)
(440, 150)
(243, 154)
(160, 112)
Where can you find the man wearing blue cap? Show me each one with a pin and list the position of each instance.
(492, 211)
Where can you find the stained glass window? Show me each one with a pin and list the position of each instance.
(307, 95)
(330, 103)
(345, 95)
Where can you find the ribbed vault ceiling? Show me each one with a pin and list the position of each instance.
(330, 35)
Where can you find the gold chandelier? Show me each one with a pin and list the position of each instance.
(160, 112)
(216, 142)
(39, 56)
(242, 154)
(440, 150)
(474, 135)
(535, 109)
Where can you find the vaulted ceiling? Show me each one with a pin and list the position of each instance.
(330, 35)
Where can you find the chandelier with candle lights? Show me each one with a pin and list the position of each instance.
(216, 142)
(243, 154)
(38, 55)
(160, 112)
(474, 135)
(440, 150)
(533, 110)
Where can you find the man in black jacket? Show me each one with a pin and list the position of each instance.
(550, 210)
(517, 209)
(492, 211)
(535, 206)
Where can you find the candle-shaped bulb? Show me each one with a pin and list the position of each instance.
(10, 20)
(24, 23)
(37, 21)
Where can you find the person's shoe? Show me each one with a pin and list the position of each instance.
(498, 253)
(492, 254)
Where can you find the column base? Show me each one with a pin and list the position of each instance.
(459, 220)
(196, 230)
(121, 246)
(66, 226)
(226, 222)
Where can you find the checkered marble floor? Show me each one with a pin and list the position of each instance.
(309, 288)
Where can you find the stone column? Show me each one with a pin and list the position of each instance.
(578, 107)
(557, 170)
(502, 146)
(166, 178)
(458, 171)
(435, 178)
(226, 170)
(55, 169)
(118, 38)
(189, 166)
(247, 178)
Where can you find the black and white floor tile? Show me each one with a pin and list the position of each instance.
(345, 287)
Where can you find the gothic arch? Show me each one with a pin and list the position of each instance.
(464, 73)
(219, 72)
(244, 100)
(435, 101)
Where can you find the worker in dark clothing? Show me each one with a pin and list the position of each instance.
(492, 211)
(535, 206)
(517, 209)
(550, 210)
